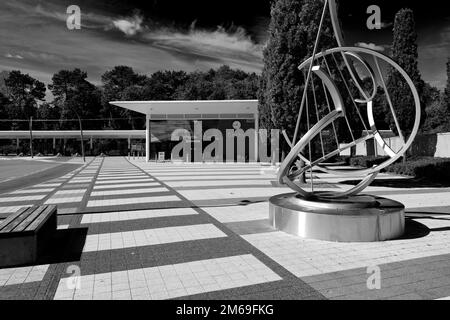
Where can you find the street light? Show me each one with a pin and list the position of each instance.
(31, 136)
(82, 138)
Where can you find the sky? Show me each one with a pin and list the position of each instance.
(187, 35)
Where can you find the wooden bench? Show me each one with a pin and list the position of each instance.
(24, 235)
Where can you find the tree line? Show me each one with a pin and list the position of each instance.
(23, 97)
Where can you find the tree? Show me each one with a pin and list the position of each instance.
(3, 76)
(404, 52)
(437, 107)
(163, 85)
(115, 83)
(447, 88)
(292, 34)
(438, 116)
(48, 111)
(24, 94)
(75, 96)
(220, 84)
(4, 103)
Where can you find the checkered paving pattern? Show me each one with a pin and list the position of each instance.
(169, 281)
(13, 276)
(163, 231)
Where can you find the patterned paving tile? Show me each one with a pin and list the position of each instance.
(135, 215)
(21, 198)
(11, 209)
(125, 201)
(127, 191)
(305, 257)
(58, 200)
(11, 276)
(169, 281)
(144, 178)
(226, 214)
(139, 238)
(128, 185)
(31, 191)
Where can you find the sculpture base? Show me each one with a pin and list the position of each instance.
(359, 218)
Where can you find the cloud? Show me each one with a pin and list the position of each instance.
(130, 26)
(219, 43)
(13, 56)
(371, 46)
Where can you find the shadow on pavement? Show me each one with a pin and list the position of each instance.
(38, 177)
(414, 230)
(66, 246)
(402, 183)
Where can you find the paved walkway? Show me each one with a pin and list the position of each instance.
(134, 230)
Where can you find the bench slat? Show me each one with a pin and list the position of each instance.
(11, 217)
(41, 218)
(26, 222)
(17, 220)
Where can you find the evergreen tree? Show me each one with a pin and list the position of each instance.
(447, 88)
(24, 93)
(75, 97)
(115, 83)
(292, 34)
(404, 52)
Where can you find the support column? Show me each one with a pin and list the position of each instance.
(148, 138)
(256, 137)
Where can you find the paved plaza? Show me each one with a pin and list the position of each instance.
(135, 230)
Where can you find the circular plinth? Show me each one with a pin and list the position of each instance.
(354, 219)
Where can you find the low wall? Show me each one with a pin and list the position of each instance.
(432, 145)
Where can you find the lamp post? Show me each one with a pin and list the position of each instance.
(31, 136)
(82, 138)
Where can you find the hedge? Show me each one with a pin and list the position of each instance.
(437, 169)
(366, 161)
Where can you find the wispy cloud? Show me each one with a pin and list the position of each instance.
(13, 56)
(130, 26)
(232, 44)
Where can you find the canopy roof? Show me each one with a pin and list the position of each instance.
(195, 107)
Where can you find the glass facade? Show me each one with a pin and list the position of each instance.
(199, 136)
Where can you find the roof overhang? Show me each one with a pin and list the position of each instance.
(190, 107)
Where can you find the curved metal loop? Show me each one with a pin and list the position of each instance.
(338, 34)
(408, 80)
(353, 74)
(287, 177)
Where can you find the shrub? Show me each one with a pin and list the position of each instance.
(437, 169)
(367, 161)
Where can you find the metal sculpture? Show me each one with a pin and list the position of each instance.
(333, 78)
